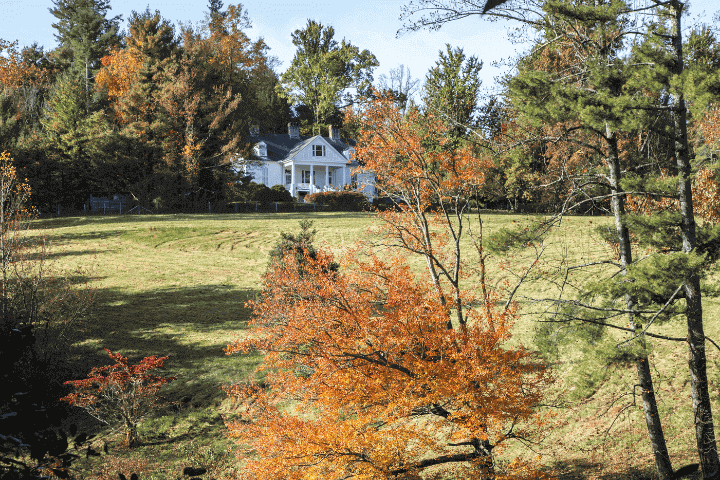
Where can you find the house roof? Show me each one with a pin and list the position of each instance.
(283, 147)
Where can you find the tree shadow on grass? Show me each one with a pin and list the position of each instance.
(54, 255)
(190, 325)
(69, 238)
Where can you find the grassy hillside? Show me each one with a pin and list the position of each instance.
(176, 285)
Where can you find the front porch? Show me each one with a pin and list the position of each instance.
(310, 178)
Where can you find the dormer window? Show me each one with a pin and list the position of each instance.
(261, 149)
(318, 150)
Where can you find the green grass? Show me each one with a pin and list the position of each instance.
(177, 284)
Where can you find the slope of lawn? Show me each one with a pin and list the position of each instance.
(176, 285)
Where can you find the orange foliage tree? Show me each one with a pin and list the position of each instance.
(14, 71)
(121, 67)
(377, 372)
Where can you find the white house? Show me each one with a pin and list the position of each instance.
(305, 165)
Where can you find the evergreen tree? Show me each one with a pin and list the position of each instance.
(583, 89)
(84, 35)
(72, 139)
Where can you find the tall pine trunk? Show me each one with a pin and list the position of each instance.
(704, 428)
(642, 363)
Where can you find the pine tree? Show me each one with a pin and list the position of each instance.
(84, 35)
(582, 90)
(73, 140)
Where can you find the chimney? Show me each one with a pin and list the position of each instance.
(293, 130)
(334, 132)
(254, 130)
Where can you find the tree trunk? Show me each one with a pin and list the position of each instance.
(642, 364)
(131, 434)
(704, 428)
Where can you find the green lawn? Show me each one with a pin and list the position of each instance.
(176, 285)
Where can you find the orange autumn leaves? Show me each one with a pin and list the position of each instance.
(410, 153)
(366, 376)
(15, 71)
(377, 380)
(121, 67)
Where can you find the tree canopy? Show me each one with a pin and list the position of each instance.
(325, 72)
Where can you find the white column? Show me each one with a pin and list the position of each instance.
(327, 174)
(312, 178)
(292, 179)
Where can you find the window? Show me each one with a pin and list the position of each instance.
(318, 150)
(306, 176)
(288, 177)
(329, 178)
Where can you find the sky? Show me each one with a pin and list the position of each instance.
(368, 24)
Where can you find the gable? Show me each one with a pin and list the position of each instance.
(319, 150)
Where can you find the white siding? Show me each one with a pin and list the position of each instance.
(366, 184)
(269, 173)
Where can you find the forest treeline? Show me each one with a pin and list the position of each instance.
(155, 112)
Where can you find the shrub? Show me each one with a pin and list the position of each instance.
(345, 200)
(280, 194)
(120, 393)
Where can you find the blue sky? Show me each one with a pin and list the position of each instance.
(369, 24)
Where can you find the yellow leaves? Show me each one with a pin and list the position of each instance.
(121, 67)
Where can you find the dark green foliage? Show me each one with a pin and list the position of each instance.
(73, 140)
(30, 411)
(250, 191)
(271, 111)
(281, 194)
(84, 36)
(346, 201)
(521, 234)
(299, 245)
(10, 127)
